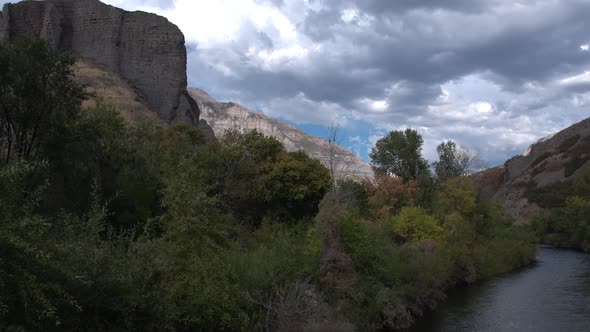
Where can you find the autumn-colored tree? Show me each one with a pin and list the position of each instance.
(388, 194)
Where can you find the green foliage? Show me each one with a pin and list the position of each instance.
(400, 153)
(293, 186)
(38, 99)
(402, 264)
(415, 224)
(353, 194)
(110, 227)
(568, 225)
(453, 161)
(457, 195)
(554, 196)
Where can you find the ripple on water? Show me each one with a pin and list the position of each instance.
(551, 295)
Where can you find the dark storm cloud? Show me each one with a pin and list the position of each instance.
(387, 61)
(428, 48)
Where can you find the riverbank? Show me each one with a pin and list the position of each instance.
(379, 283)
(553, 294)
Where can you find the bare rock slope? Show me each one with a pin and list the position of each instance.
(145, 50)
(231, 116)
(552, 160)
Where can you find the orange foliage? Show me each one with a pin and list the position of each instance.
(388, 194)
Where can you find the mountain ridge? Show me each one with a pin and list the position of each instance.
(552, 160)
(222, 116)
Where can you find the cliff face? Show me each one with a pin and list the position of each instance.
(552, 160)
(144, 49)
(231, 116)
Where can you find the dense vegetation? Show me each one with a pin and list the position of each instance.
(112, 227)
(566, 221)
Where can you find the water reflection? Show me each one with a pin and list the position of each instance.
(551, 295)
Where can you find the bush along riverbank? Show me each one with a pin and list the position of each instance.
(111, 227)
(386, 263)
(566, 220)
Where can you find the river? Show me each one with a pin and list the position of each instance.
(552, 295)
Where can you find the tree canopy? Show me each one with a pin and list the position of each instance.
(453, 161)
(400, 153)
(37, 98)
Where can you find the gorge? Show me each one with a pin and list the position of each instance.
(125, 206)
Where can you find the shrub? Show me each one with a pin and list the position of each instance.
(416, 224)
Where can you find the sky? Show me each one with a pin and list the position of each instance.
(492, 75)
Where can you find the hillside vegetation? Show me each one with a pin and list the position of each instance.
(565, 222)
(107, 226)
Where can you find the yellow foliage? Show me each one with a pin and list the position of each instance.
(414, 223)
(457, 195)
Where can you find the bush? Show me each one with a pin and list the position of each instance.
(415, 224)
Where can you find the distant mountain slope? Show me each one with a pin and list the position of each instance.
(552, 160)
(231, 116)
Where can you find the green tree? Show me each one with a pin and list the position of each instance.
(400, 153)
(38, 99)
(294, 185)
(456, 195)
(453, 161)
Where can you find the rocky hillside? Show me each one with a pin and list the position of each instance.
(110, 86)
(145, 50)
(553, 160)
(231, 116)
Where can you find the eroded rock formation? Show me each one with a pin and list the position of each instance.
(555, 159)
(144, 49)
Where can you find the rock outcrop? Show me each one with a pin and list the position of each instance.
(231, 116)
(146, 50)
(552, 160)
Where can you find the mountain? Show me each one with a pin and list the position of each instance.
(553, 161)
(144, 50)
(231, 116)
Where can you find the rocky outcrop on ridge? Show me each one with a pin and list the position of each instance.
(231, 116)
(552, 160)
(145, 50)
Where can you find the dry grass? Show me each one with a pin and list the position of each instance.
(116, 91)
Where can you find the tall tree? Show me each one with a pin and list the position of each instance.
(453, 161)
(400, 153)
(38, 98)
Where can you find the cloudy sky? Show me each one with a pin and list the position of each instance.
(493, 75)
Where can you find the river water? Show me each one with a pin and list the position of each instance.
(552, 295)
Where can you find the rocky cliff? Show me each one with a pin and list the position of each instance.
(553, 160)
(145, 50)
(231, 116)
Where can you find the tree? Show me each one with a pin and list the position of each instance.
(400, 153)
(293, 185)
(456, 195)
(38, 98)
(453, 161)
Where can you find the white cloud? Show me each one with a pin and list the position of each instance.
(495, 76)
